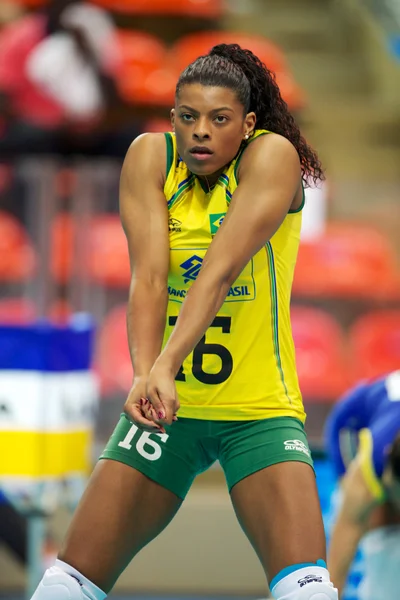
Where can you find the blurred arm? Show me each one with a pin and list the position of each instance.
(144, 217)
(357, 504)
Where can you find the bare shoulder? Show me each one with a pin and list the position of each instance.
(272, 150)
(147, 154)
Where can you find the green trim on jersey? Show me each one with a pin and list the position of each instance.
(297, 210)
(274, 307)
(170, 152)
(184, 186)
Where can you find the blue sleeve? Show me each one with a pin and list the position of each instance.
(348, 416)
(383, 432)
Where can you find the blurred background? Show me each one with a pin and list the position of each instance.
(78, 82)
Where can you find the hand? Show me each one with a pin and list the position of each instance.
(138, 408)
(161, 392)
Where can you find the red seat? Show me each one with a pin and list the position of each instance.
(191, 46)
(348, 261)
(105, 258)
(113, 362)
(17, 255)
(17, 311)
(144, 77)
(209, 9)
(320, 354)
(375, 344)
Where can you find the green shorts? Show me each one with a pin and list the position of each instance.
(191, 446)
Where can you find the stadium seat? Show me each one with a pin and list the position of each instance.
(375, 344)
(191, 46)
(105, 258)
(144, 77)
(349, 261)
(320, 354)
(112, 360)
(17, 255)
(17, 311)
(209, 9)
(108, 259)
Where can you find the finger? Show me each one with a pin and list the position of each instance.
(150, 414)
(135, 414)
(157, 405)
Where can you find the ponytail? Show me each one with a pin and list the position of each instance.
(233, 67)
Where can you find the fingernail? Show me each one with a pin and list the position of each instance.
(161, 415)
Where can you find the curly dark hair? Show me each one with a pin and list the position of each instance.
(233, 67)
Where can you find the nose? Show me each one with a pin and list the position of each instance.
(201, 130)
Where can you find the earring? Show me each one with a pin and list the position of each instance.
(246, 137)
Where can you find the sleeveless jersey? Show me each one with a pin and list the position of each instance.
(244, 366)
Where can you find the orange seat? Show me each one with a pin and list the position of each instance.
(191, 46)
(348, 261)
(112, 361)
(144, 77)
(16, 311)
(320, 354)
(105, 258)
(17, 256)
(209, 9)
(375, 344)
(108, 258)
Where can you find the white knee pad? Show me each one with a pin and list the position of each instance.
(309, 583)
(58, 585)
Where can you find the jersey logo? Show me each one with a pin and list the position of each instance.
(297, 445)
(216, 222)
(192, 267)
(174, 225)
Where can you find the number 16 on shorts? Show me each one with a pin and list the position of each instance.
(148, 448)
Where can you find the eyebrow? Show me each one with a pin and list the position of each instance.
(215, 110)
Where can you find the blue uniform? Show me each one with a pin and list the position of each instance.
(367, 421)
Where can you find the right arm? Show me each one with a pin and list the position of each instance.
(144, 217)
(357, 504)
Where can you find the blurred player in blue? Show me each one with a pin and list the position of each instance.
(363, 440)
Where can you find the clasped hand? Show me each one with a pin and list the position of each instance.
(152, 401)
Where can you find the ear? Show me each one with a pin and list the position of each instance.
(172, 115)
(249, 123)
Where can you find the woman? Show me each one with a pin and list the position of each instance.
(212, 215)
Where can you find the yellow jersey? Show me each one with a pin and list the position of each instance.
(244, 366)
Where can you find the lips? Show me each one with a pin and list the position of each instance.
(201, 150)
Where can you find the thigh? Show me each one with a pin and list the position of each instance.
(120, 512)
(133, 494)
(279, 511)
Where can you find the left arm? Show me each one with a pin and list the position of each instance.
(269, 179)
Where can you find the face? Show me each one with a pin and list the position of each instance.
(392, 487)
(209, 125)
